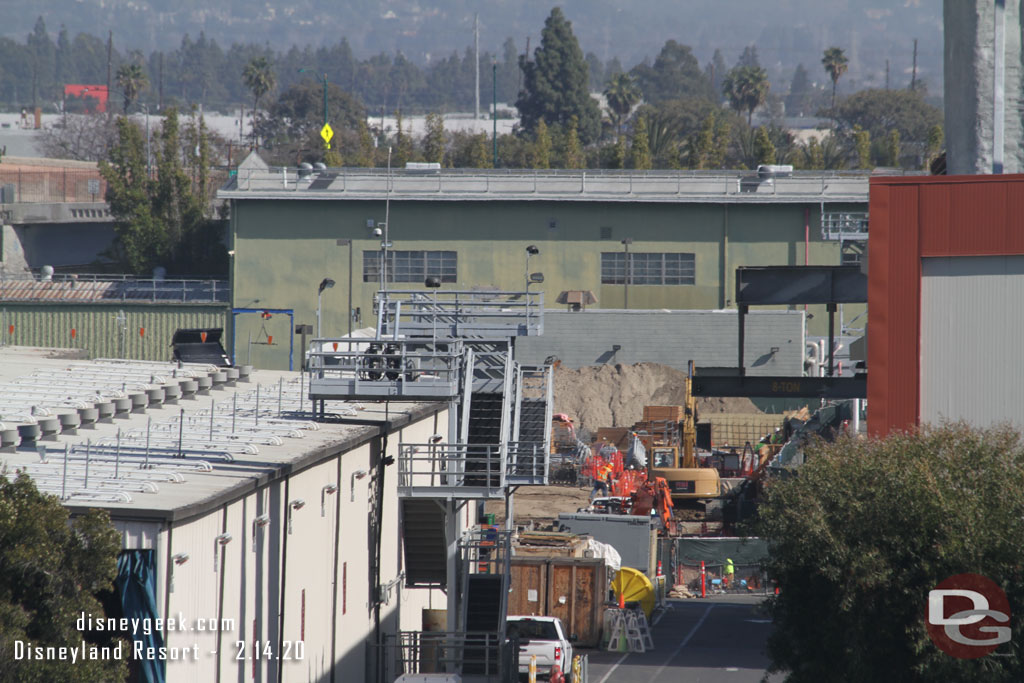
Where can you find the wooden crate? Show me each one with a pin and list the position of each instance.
(572, 589)
(663, 413)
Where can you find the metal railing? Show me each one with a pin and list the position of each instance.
(528, 463)
(450, 314)
(609, 184)
(844, 225)
(443, 470)
(423, 652)
(347, 368)
(84, 287)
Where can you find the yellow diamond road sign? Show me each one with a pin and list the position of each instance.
(327, 133)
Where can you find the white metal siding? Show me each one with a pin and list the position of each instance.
(972, 324)
(252, 573)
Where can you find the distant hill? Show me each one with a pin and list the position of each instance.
(786, 32)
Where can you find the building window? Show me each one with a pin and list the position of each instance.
(606, 232)
(411, 266)
(647, 269)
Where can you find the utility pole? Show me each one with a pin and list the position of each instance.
(110, 56)
(887, 74)
(913, 72)
(476, 58)
(160, 103)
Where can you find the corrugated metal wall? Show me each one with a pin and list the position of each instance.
(915, 218)
(971, 327)
(143, 332)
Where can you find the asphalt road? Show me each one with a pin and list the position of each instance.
(714, 640)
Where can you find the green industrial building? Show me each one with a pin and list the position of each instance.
(637, 240)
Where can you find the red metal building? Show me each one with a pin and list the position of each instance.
(945, 300)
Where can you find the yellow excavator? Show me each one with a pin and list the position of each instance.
(671, 444)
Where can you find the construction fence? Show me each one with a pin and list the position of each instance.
(686, 558)
(46, 185)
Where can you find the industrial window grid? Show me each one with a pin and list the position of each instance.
(411, 266)
(648, 268)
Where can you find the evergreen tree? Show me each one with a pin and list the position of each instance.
(813, 157)
(541, 152)
(161, 221)
(43, 55)
(403, 143)
(892, 148)
(702, 144)
(574, 157)
(715, 71)
(675, 74)
(555, 82)
(51, 569)
(749, 58)
(640, 150)
(764, 150)
(433, 140)
(862, 143)
(617, 158)
(799, 98)
(64, 66)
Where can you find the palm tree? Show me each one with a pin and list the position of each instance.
(622, 93)
(746, 87)
(132, 80)
(835, 64)
(258, 77)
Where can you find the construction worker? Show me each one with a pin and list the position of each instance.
(730, 571)
(602, 479)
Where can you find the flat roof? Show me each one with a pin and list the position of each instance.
(589, 185)
(129, 465)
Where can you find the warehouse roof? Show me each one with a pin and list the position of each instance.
(163, 441)
(258, 181)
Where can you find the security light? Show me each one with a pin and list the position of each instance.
(326, 283)
(532, 250)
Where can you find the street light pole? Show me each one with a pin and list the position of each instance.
(629, 271)
(387, 224)
(348, 243)
(326, 283)
(325, 99)
(494, 116)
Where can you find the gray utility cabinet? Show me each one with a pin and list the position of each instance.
(633, 537)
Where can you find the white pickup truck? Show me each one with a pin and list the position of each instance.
(544, 637)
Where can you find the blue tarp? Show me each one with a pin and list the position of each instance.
(136, 583)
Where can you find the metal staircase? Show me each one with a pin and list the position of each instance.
(457, 348)
(426, 552)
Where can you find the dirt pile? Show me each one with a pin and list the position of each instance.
(615, 395)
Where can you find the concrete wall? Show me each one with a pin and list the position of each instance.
(284, 248)
(969, 78)
(709, 338)
(294, 570)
